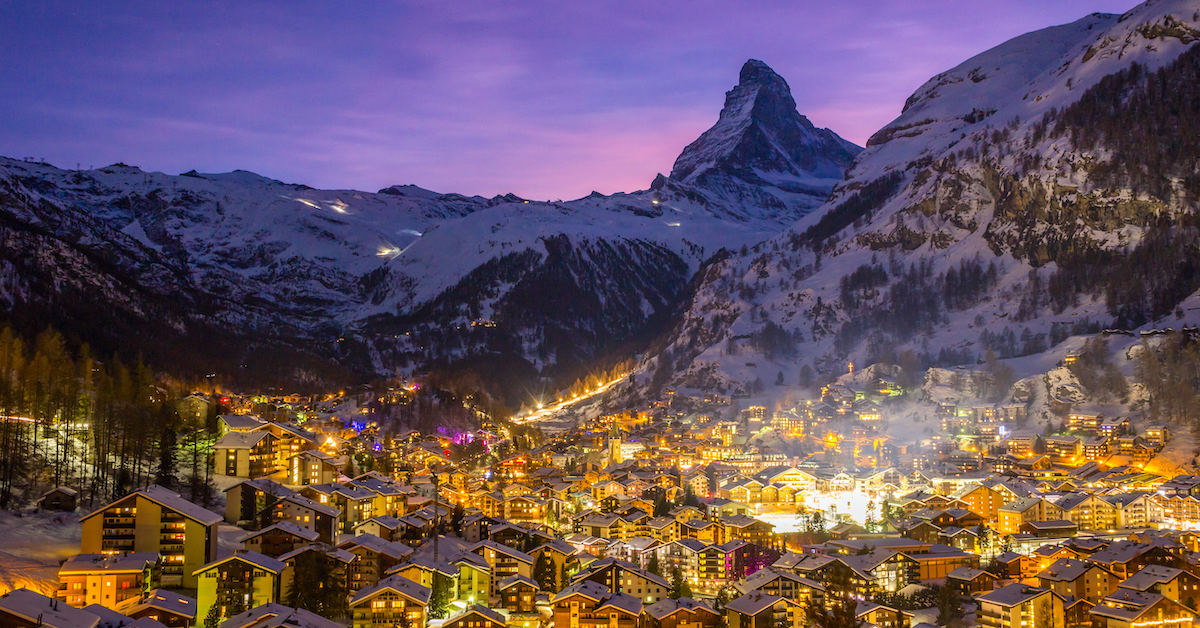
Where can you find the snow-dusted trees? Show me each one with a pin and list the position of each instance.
(68, 420)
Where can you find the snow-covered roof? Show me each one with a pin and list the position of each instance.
(241, 422)
(241, 440)
(254, 558)
(171, 500)
(37, 608)
(163, 600)
(398, 584)
(109, 563)
(284, 526)
(277, 616)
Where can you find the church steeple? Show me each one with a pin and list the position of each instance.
(614, 443)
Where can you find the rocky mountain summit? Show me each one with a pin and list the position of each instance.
(762, 148)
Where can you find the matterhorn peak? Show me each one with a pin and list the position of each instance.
(760, 134)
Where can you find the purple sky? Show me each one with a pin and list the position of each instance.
(545, 99)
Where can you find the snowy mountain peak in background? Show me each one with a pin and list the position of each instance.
(1042, 188)
(762, 141)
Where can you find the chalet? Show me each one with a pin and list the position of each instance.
(384, 527)
(1077, 578)
(309, 514)
(278, 539)
(683, 612)
(278, 616)
(1018, 605)
(967, 581)
(749, 530)
(375, 558)
(61, 499)
(1174, 584)
(355, 503)
(586, 604)
(312, 467)
(245, 579)
(155, 520)
(393, 601)
(1127, 608)
(475, 616)
(106, 579)
(623, 577)
(245, 454)
(168, 608)
(759, 610)
(518, 594)
(780, 583)
(504, 561)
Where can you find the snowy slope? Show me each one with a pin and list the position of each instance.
(399, 278)
(972, 171)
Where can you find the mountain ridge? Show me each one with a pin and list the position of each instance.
(345, 275)
(975, 222)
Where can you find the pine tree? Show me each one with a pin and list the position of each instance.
(213, 618)
(950, 612)
(313, 590)
(653, 566)
(679, 586)
(439, 598)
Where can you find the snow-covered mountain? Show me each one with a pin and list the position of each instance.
(1047, 186)
(763, 152)
(236, 270)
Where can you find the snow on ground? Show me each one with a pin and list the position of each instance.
(1178, 456)
(228, 539)
(34, 547)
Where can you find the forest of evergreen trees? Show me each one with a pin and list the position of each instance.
(915, 299)
(1150, 122)
(99, 427)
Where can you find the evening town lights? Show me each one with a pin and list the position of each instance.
(1177, 620)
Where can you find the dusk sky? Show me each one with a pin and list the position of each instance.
(547, 100)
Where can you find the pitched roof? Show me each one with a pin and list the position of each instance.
(241, 421)
(110, 618)
(503, 549)
(623, 602)
(476, 609)
(752, 603)
(171, 500)
(34, 607)
(666, 608)
(586, 588)
(163, 600)
(305, 502)
(377, 545)
(1064, 570)
(284, 526)
(267, 563)
(334, 553)
(766, 575)
(110, 563)
(278, 616)
(241, 440)
(516, 579)
(398, 584)
(1149, 576)
(1012, 594)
